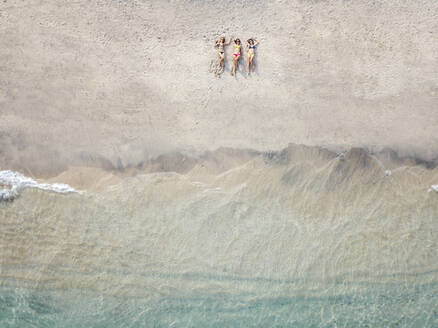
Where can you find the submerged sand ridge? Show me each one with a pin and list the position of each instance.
(302, 215)
(110, 84)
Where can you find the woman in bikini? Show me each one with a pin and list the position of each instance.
(236, 55)
(251, 45)
(220, 45)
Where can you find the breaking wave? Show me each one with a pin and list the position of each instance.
(17, 182)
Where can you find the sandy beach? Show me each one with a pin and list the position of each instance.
(138, 189)
(112, 84)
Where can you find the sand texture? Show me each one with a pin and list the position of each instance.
(113, 83)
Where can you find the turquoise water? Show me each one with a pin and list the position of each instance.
(387, 305)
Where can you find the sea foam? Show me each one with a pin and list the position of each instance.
(18, 182)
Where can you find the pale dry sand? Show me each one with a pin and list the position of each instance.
(111, 84)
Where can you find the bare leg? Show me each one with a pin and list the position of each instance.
(222, 60)
(237, 64)
(219, 64)
(248, 66)
(251, 63)
(234, 65)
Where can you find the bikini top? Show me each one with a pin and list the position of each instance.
(251, 47)
(236, 46)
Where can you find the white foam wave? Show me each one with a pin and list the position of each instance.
(18, 182)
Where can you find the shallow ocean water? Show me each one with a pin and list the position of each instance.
(308, 239)
(340, 305)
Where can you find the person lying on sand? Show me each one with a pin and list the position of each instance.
(236, 55)
(220, 45)
(250, 46)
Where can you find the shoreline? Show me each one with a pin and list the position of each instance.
(100, 175)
